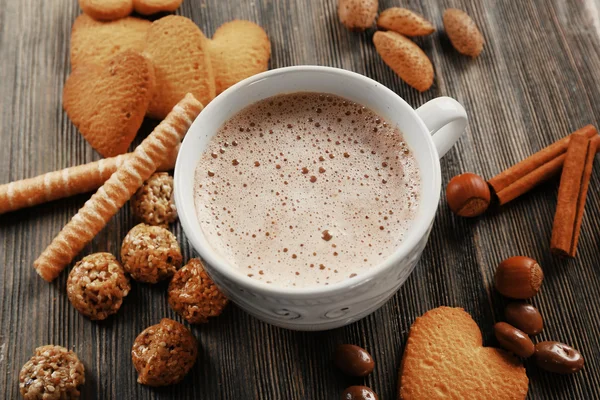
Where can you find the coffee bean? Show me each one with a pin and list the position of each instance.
(359, 393)
(514, 340)
(525, 317)
(558, 357)
(353, 360)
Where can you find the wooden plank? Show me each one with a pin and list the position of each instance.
(536, 81)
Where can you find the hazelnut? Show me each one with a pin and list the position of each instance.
(468, 195)
(519, 277)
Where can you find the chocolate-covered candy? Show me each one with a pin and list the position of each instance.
(558, 357)
(353, 360)
(524, 317)
(359, 393)
(514, 340)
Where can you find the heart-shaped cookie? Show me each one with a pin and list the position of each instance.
(445, 359)
(96, 42)
(178, 50)
(107, 103)
(238, 49)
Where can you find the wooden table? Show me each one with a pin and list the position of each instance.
(537, 80)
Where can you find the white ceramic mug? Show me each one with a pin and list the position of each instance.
(332, 306)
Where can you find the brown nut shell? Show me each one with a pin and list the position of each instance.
(468, 195)
(524, 317)
(514, 340)
(357, 14)
(462, 32)
(405, 22)
(405, 58)
(519, 277)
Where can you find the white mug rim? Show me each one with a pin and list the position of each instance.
(188, 217)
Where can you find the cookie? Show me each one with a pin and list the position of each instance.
(148, 7)
(444, 358)
(178, 50)
(107, 103)
(239, 49)
(106, 10)
(96, 42)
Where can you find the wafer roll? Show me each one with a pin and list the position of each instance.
(65, 182)
(115, 192)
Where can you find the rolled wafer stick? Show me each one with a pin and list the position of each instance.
(107, 201)
(66, 182)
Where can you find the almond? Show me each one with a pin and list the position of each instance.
(357, 14)
(405, 58)
(405, 22)
(463, 33)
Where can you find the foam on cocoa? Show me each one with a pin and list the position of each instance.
(306, 189)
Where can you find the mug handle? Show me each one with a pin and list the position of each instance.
(446, 120)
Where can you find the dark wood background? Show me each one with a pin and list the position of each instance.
(537, 80)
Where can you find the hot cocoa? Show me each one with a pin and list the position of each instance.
(306, 189)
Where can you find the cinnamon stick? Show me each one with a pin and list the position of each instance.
(65, 183)
(572, 194)
(546, 163)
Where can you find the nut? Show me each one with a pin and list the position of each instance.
(514, 340)
(405, 22)
(462, 32)
(357, 14)
(468, 195)
(359, 393)
(525, 317)
(405, 58)
(519, 277)
(558, 358)
(353, 360)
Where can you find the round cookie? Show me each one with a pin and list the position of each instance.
(148, 7)
(178, 49)
(194, 295)
(106, 10)
(53, 373)
(238, 50)
(153, 203)
(95, 42)
(164, 353)
(107, 102)
(97, 285)
(150, 253)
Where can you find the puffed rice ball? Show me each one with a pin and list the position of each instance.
(97, 285)
(164, 353)
(153, 203)
(150, 253)
(53, 373)
(194, 295)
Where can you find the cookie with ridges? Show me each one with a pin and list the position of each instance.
(107, 103)
(96, 42)
(148, 7)
(238, 50)
(106, 10)
(444, 358)
(178, 50)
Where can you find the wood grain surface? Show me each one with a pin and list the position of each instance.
(537, 80)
